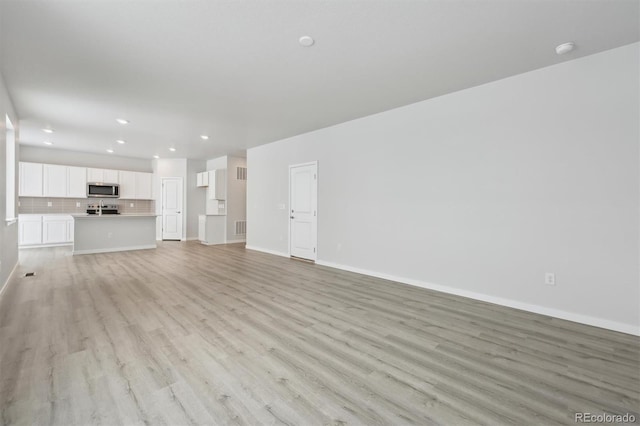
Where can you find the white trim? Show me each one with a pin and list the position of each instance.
(241, 240)
(30, 246)
(263, 250)
(111, 250)
(6, 283)
(11, 220)
(537, 309)
(204, 243)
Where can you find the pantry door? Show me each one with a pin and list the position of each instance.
(172, 208)
(303, 209)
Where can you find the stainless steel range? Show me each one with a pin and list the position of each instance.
(101, 208)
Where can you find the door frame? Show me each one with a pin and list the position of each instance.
(183, 213)
(291, 166)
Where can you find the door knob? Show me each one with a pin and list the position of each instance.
(178, 212)
(292, 217)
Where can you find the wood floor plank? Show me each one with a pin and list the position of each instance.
(200, 335)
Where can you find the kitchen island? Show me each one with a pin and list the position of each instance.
(117, 232)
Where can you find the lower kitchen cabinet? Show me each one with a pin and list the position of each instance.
(29, 229)
(45, 230)
(212, 229)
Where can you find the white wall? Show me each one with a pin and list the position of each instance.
(83, 159)
(165, 167)
(482, 191)
(8, 232)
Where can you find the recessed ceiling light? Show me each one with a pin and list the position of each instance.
(306, 41)
(122, 121)
(120, 141)
(172, 149)
(204, 137)
(156, 156)
(47, 130)
(565, 48)
(48, 143)
(110, 151)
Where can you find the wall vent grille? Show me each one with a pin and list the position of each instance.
(241, 227)
(241, 173)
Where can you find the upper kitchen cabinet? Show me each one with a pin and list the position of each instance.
(127, 185)
(30, 176)
(64, 181)
(144, 186)
(136, 185)
(217, 189)
(76, 182)
(54, 181)
(102, 175)
(202, 179)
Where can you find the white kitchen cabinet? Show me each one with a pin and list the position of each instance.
(136, 185)
(30, 176)
(102, 175)
(41, 230)
(217, 189)
(212, 229)
(54, 180)
(202, 179)
(64, 181)
(110, 176)
(76, 182)
(54, 229)
(144, 186)
(95, 175)
(29, 229)
(127, 185)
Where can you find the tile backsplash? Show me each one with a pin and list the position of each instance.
(40, 205)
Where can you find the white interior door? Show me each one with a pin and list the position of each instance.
(172, 208)
(303, 202)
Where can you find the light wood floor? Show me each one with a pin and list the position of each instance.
(188, 334)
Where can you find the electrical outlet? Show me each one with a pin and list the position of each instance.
(49, 204)
(339, 246)
(281, 206)
(110, 234)
(130, 204)
(550, 278)
(77, 204)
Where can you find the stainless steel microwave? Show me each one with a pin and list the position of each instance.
(103, 190)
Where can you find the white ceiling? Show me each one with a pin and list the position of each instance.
(234, 69)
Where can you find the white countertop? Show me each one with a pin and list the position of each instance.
(118, 216)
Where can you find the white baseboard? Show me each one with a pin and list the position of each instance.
(557, 313)
(45, 245)
(277, 253)
(6, 283)
(242, 240)
(111, 250)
